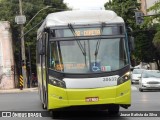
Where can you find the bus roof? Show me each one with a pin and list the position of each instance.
(78, 17)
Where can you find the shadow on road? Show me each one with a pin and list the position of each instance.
(150, 91)
(85, 115)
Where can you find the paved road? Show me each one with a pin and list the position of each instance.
(29, 101)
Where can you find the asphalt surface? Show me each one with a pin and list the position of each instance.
(16, 90)
(28, 100)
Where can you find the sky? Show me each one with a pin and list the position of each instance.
(86, 4)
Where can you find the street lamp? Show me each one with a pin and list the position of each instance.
(21, 19)
(36, 15)
(30, 72)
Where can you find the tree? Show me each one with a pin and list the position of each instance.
(10, 8)
(153, 22)
(144, 49)
(156, 40)
(123, 8)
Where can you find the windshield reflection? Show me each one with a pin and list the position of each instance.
(66, 56)
(150, 74)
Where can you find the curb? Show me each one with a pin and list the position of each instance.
(19, 91)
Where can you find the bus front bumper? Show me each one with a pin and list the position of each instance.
(62, 98)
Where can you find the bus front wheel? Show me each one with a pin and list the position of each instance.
(44, 105)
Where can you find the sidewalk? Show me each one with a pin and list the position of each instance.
(16, 90)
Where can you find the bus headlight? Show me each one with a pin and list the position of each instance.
(57, 82)
(124, 78)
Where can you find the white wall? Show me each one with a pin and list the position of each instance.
(6, 56)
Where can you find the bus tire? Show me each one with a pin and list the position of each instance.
(44, 105)
(113, 109)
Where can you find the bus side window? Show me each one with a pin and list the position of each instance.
(53, 56)
(37, 52)
(40, 47)
(52, 59)
(51, 62)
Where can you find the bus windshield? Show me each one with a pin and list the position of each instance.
(101, 55)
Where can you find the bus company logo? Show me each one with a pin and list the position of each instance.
(6, 114)
(21, 114)
(110, 79)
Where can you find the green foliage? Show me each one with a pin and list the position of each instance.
(125, 9)
(156, 40)
(10, 9)
(155, 8)
(144, 48)
(155, 20)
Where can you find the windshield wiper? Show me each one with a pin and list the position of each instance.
(78, 41)
(98, 42)
(83, 50)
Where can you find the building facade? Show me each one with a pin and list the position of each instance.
(145, 4)
(6, 57)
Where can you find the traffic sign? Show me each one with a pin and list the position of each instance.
(21, 19)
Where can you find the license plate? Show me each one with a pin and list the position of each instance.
(92, 99)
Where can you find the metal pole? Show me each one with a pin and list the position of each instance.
(36, 15)
(30, 67)
(23, 50)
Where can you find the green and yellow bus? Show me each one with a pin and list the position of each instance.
(83, 61)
